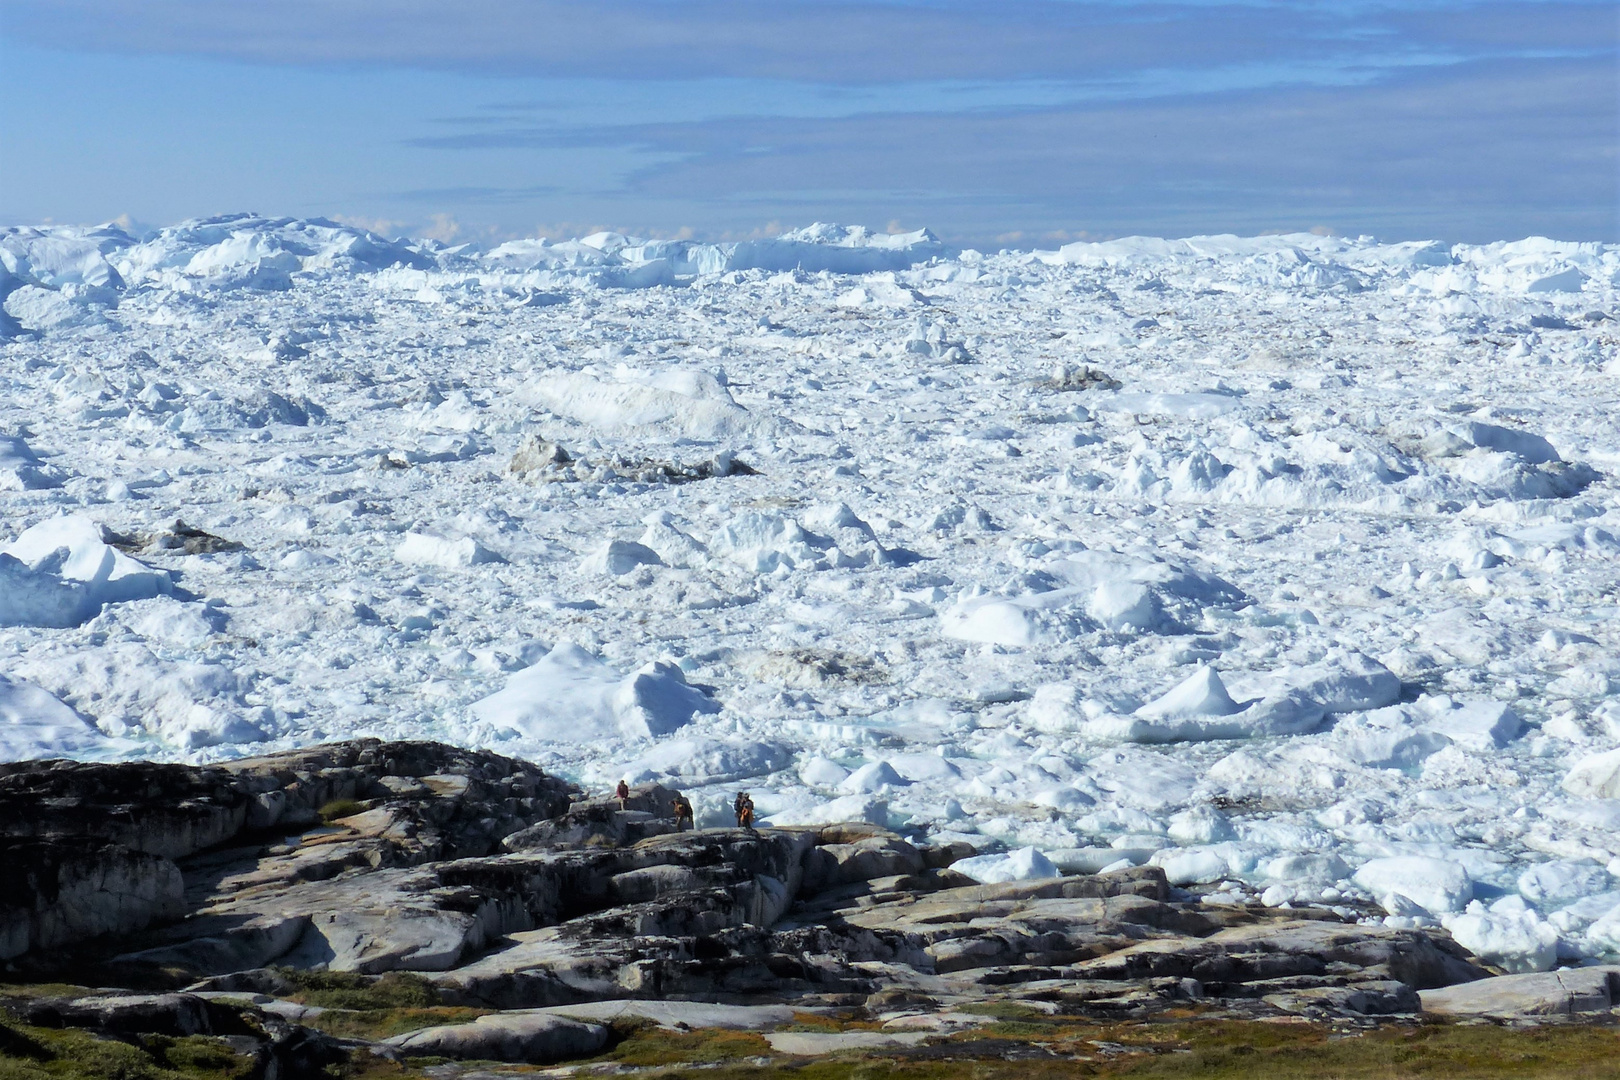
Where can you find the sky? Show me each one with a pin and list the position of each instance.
(995, 123)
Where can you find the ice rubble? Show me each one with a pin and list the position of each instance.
(21, 469)
(705, 760)
(1286, 563)
(132, 692)
(1197, 709)
(1087, 590)
(1596, 776)
(612, 259)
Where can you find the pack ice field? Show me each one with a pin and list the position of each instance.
(1289, 564)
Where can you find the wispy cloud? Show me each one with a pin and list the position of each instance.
(1486, 150)
(476, 195)
(818, 41)
(981, 118)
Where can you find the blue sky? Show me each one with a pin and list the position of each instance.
(1012, 122)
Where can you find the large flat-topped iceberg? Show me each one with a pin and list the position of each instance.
(615, 259)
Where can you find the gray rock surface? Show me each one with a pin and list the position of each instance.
(157, 1014)
(1567, 992)
(682, 1014)
(537, 1038)
(815, 1043)
(68, 890)
(258, 1030)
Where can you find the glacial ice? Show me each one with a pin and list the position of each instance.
(21, 469)
(1286, 563)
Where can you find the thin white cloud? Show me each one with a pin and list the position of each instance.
(820, 41)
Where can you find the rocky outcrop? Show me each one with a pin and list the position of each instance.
(96, 849)
(1240, 958)
(499, 888)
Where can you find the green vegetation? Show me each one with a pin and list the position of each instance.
(360, 993)
(1466, 1052)
(30, 1053)
(641, 1043)
(40, 990)
(1017, 1043)
(1029, 1045)
(386, 1023)
(340, 808)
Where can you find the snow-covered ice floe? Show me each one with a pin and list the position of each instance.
(570, 696)
(1288, 564)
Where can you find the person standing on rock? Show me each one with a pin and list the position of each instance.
(683, 813)
(745, 811)
(622, 793)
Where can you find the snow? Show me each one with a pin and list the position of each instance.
(1279, 562)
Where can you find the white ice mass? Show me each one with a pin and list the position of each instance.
(1288, 564)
